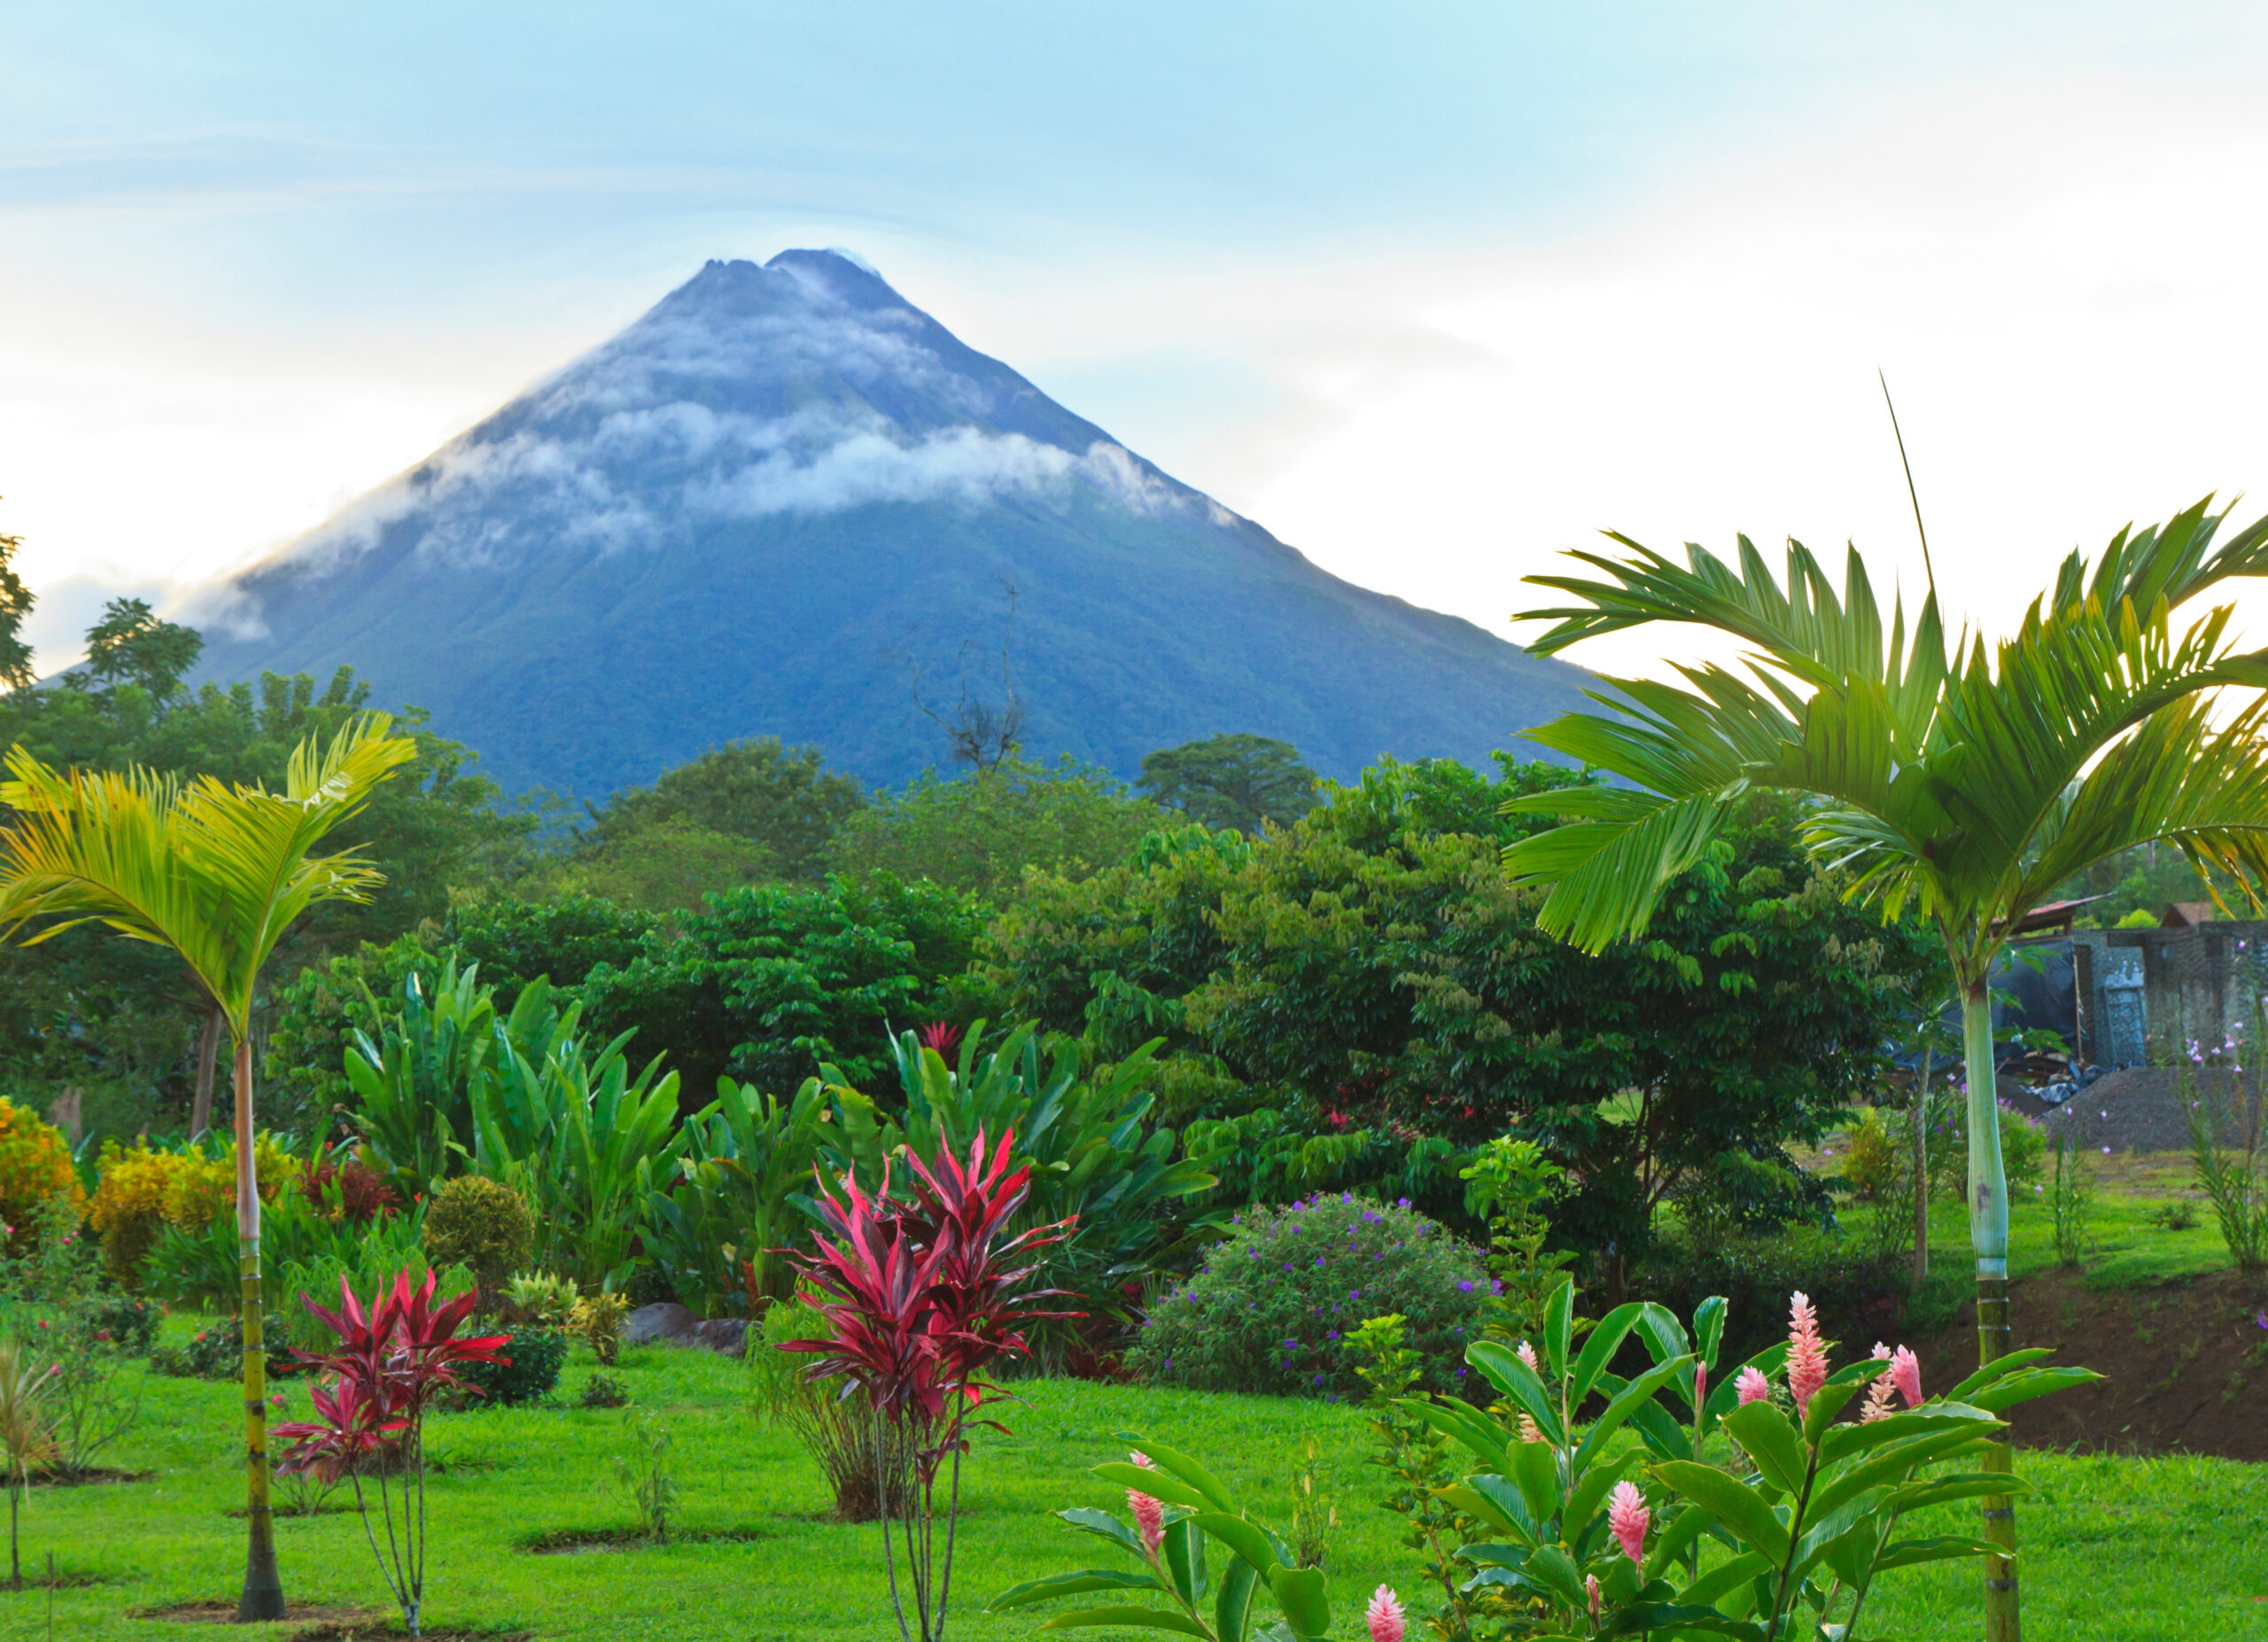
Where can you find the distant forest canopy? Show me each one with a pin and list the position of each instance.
(752, 911)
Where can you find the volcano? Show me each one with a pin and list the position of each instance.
(787, 502)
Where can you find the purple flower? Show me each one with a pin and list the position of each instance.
(1466, 1287)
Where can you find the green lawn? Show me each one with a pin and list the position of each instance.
(2122, 1550)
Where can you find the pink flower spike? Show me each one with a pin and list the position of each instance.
(1149, 1513)
(1530, 1432)
(1590, 1585)
(1700, 1384)
(1906, 1371)
(1878, 1403)
(1384, 1615)
(1807, 1352)
(1627, 1515)
(1527, 1355)
(1754, 1387)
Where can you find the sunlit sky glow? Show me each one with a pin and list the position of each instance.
(1430, 292)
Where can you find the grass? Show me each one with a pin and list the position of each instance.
(2118, 1550)
(2128, 1250)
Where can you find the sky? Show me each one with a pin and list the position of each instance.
(1434, 293)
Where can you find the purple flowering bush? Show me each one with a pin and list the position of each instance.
(1271, 1307)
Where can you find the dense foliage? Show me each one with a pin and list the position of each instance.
(1272, 1305)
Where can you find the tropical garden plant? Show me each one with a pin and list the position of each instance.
(1962, 781)
(27, 1439)
(719, 1230)
(1179, 1509)
(216, 874)
(923, 1299)
(389, 1361)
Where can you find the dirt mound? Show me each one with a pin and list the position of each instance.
(2184, 1365)
(2142, 1109)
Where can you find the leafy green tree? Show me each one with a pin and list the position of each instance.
(16, 603)
(1966, 786)
(560, 940)
(215, 874)
(981, 830)
(666, 867)
(131, 645)
(779, 805)
(1231, 780)
(1370, 966)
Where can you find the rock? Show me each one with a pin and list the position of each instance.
(664, 1320)
(725, 1334)
(668, 1323)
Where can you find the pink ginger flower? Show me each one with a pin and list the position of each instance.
(1149, 1514)
(1878, 1403)
(1700, 1384)
(1807, 1352)
(1754, 1387)
(1530, 1432)
(1905, 1373)
(1627, 1515)
(1590, 1585)
(1384, 1615)
(1528, 1355)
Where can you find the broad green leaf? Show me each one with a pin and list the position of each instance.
(1829, 1401)
(1245, 1539)
(1822, 1530)
(1939, 1490)
(1606, 1338)
(1303, 1596)
(1964, 1424)
(1157, 1484)
(1182, 1554)
(1131, 1618)
(1945, 1547)
(1683, 1526)
(1665, 1436)
(1070, 1586)
(1535, 1473)
(1177, 1464)
(1502, 1368)
(1460, 1421)
(1559, 1327)
(1550, 1569)
(1473, 1504)
(1766, 1436)
(1995, 1369)
(1232, 1608)
(1717, 1583)
(1504, 1494)
(1664, 1334)
(1104, 1525)
(1709, 1328)
(1637, 1393)
(2024, 1384)
(1739, 1508)
(1890, 1464)
(1495, 1556)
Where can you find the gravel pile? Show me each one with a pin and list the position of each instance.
(2143, 1108)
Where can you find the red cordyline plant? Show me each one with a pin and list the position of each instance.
(921, 1298)
(393, 1359)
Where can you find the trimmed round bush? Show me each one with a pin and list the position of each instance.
(535, 1355)
(478, 1222)
(1270, 1309)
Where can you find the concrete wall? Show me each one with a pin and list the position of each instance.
(2145, 994)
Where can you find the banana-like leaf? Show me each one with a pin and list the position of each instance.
(1102, 1525)
(1303, 1596)
(1128, 1618)
(1768, 1438)
(1633, 1395)
(1157, 1484)
(1502, 1368)
(1070, 1586)
(1232, 1605)
(1177, 1464)
(1739, 1508)
(1943, 1548)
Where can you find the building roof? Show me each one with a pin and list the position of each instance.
(2188, 914)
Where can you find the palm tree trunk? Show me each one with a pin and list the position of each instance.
(263, 1591)
(1921, 1170)
(1988, 1234)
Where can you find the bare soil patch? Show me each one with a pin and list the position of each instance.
(600, 1541)
(88, 1478)
(2185, 1364)
(224, 1612)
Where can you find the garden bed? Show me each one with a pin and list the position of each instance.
(590, 1541)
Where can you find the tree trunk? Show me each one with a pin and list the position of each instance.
(263, 1592)
(1922, 1172)
(208, 1051)
(1988, 1234)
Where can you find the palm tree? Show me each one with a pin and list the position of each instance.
(1963, 785)
(217, 873)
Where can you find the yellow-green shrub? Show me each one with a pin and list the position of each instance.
(35, 1169)
(598, 1319)
(201, 1188)
(479, 1223)
(129, 1205)
(1872, 1166)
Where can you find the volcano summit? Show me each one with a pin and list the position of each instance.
(762, 506)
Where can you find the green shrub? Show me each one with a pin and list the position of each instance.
(1268, 1309)
(118, 1322)
(537, 1356)
(477, 1223)
(1858, 1291)
(216, 1351)
(604, 1391)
